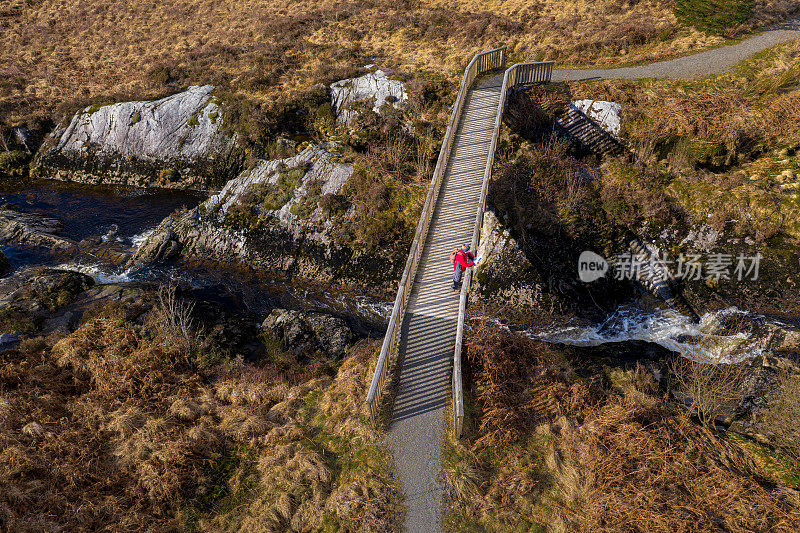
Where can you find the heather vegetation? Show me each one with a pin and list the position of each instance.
(269, 55)
(726, 145)
(716, 16)
(157, 409)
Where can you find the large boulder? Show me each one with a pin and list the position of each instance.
(604, 114)
(309, 333)
(272, 218)
(506, 276)
(30, 296)
(177, 141)
(375, 86)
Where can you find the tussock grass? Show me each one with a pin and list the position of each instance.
(557, 452)
(72, 52)
(727, 145)
(112, 427)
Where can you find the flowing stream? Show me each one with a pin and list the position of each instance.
(728, 335)
(124, 216)
(113, 214)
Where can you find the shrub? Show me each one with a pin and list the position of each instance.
(11, 161)
(15, 320)
(708, 383)
(159, 75)
(240, 216)
(714, 16)
(333, 204)
(167, 176)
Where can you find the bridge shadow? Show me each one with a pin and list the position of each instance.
(587, 135)
(425, 365)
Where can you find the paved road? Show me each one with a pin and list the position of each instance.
(428, 336)
(715, 61)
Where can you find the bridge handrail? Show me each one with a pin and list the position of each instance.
(483, 62)
(519, 74)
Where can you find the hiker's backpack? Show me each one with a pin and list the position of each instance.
(453, 255)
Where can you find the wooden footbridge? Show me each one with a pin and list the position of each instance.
(423, 341)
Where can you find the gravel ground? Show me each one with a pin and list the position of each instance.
(715, 61)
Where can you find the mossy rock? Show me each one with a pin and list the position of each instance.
(13, 162)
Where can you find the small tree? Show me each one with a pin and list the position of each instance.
(176, 320)
(713, 16)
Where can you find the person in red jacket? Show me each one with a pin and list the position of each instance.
(463, 259)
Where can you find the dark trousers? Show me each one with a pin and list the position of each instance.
(457, 275)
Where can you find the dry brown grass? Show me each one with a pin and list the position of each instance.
(781, 420)
(110, 429)
(721, 142)
(556, 452)
(70, 51)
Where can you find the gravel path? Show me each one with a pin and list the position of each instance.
(715, 61)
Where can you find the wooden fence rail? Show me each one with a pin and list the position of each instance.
(519, 75)
(481, 63)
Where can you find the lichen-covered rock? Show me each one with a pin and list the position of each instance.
(605, 114)
(177, 141)
(272, 218)
(296, 184)
(505, 276)
(373, 86)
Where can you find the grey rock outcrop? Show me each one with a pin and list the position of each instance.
(268, 218)
(36, 291)
(505, 276)
(32, 230)
(309, 333)
(177, 141)
(375, 86)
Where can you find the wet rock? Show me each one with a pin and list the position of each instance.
(36, 289)
(32, 230)
(373, 86)
(786, 341)
(160, 248)
(8, 341)
(177, 141)
(309, 333)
